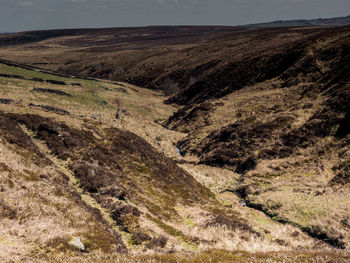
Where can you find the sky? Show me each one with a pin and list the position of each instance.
(21, 15)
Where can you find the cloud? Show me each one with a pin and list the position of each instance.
(78, 1)
(25, 3)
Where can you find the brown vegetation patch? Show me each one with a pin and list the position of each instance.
(52, 91)
(6, 211)
(190, 118)
(13, 134)
(231, 224)
(6, 101)
(342, 176)
(157, 242)
(50, 108)
(234, 144)
(56, 82)
(14, 76)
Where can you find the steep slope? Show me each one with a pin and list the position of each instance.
(263, 137)
(70, 167)
(317, 74)
(287, 136)
(65, 175)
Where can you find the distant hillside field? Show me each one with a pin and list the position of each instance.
(337, 21)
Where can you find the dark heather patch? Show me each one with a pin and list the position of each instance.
(11, 76)
(60, 139)
(50, 108)
(52, 91)
(342, 176)
(6, 101)
(247, 165)
(190, 118)
(13, 134)
(231, 224)
(160, 241)
(233, 145)
(56, 82)
(6, 211)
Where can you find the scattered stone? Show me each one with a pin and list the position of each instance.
(50, 108)
(53, 91)
(117, 116)
(96, 116)
(56, 82)
(220, 104)
(11, 76)
(37, 79)
(106, 89)
(6, 101)
(122, 90)
(120, 112)
(345, 222)
(43, 176)
(280, 242)
(76, 243)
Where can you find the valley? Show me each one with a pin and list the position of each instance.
(178, 144)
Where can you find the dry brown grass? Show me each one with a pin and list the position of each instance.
(54, 226)
(217, 256)
(221, 182)
(47, 216)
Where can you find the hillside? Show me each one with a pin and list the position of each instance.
(70, 168)
(249, 152)
(335, 21)
(166, 58)
(286, 133)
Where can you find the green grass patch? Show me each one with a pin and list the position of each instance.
(171, 230)
(189, 222)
